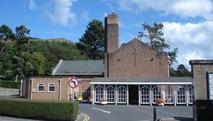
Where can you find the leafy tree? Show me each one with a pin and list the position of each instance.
(21, 59)
(155, 34)
(25, 56)
(182, 71)
(38, 61)
(92, 42)
(5, 34)
(172, 72)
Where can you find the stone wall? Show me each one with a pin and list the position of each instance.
(9, 92)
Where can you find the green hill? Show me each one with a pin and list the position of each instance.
(45, 55)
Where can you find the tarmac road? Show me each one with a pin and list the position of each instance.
(135, 112)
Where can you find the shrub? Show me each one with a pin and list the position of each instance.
(54, 111)
(9, 84)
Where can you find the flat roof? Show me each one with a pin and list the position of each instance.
(200, 62)
(121, 80)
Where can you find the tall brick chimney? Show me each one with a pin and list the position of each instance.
(111, 33)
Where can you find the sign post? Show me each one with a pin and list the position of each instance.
(73, 83)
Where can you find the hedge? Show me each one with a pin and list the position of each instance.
(43, 110)
(9, 84)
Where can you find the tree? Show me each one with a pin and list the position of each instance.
(155, 34)
(182, 71)
(21, 58)
(5, 34)
(92, 42)
(172, 72)
(38, 61)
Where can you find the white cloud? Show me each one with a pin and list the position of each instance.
(31, 4)
(193, 40)
(85, 16)
(61, 12)
(183, 8)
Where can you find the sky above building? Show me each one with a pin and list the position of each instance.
(188, 24)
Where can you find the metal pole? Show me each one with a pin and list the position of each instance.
(155, 114)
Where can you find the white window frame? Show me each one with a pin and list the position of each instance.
(156, 93)
(210, 85)
(49, 87)
(181, 94)
(145, 94)
(38, 87)
(169, 94)
(190, 89)
(122, 97)
(99, 93)
(110, 90)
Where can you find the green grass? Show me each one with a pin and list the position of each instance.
(43, 110)
(9, 84)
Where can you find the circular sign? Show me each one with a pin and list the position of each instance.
(73, 82)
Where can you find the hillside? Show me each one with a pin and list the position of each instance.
(45, 55)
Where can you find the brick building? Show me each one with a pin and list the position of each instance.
(135, 73)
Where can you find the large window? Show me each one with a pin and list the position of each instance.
(51, 87)
(156, 93)
(181, 94)
(110, 94)
(99, 93)
(145, 95)
(169, 94)
(210, 86)
(122, 94)
(190, 89)
(40, 87)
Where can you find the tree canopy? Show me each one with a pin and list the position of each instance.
(92, 42)
(155, 36)
(181, 71)
(24, 56)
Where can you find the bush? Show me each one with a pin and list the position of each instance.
(9, 84)
(54, 111)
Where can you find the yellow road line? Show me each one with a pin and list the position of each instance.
(86, 117)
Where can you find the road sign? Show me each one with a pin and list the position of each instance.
(73, 82)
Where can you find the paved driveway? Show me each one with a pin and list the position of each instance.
(135, 113)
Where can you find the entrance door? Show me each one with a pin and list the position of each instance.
(133, 94)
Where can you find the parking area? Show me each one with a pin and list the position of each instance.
(136, 113)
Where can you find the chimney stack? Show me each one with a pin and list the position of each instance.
(111, 33)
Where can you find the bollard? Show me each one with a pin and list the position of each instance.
(155, 114)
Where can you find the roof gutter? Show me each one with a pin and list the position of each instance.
(143, 83)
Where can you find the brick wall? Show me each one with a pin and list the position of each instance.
(84, 85)
(135, 59)
(200, 79)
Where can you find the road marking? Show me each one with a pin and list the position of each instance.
(102, 110)
(86, 117)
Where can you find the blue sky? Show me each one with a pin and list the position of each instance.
(188, 24)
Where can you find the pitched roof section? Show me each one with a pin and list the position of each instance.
(79, 67)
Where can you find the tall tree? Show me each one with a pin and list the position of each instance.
(21, 59)
(155, 35)
(92, 42)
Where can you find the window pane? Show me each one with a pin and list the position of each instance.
(51, 87)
